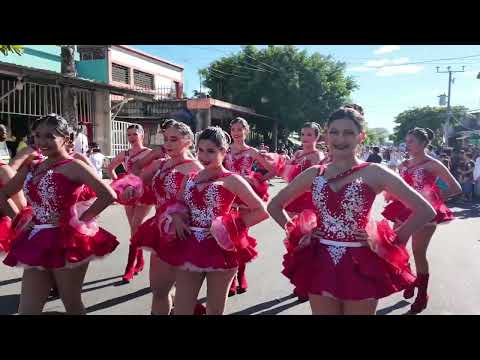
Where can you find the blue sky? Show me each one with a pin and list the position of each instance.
(384, 90)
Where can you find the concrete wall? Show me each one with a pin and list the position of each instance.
(164, 74)
(46, 57)
(102, 134)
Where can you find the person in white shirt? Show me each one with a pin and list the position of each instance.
(96, 158)
(81, 141)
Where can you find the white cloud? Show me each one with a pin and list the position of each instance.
(386, 49)
(388, 67)
(399, 70)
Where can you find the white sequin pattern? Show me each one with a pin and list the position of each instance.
(169, 185)
(47, 209)
(334, 226)
(203, 216)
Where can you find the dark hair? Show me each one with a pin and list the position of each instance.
(355, 107)
(348, 112)
(58, 123)
(216, 135)
(425, 135)
(376, 149)
(136, 127)
(242, 121)
(312, 125)
(166, 124)
(182, 128)
(469, 155)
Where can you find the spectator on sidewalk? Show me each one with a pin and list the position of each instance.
(375, 156)
(466, 176)
(96, 158)
(81, 141)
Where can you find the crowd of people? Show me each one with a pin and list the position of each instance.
(337, 256)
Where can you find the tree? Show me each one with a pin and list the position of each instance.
(281, 82)
(426, 117)
(7, 49)
(377, 136)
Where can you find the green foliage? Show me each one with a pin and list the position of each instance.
(281, 82)
(426, 117)
(6, 49)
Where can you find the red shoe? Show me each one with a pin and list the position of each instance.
(233, 287)
(410, 291)
(421, 300)
(140, 262)
(242, 279)
(130, 269)
(200, 309)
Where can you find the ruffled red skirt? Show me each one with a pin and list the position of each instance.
(359, 274)
(201, 252)
(147, 198)
(59, 247)
(396, 211)
(5, 225)
(149, 237)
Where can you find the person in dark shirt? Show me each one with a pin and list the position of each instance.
(375, 156)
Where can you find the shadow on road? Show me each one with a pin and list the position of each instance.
(9, 304)
(101, 280)
(115, 283)
(279, 309)
(268, 304)
(388, 310)
(118, 300)
(10, 281)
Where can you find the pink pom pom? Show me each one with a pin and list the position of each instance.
(164, 221)
(89, 228)
(229, 232)
(128, 181)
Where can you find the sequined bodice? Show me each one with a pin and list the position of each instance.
(129, 161)
(51, 196)
(166, 183)
(340, 214)
(417, 177)
(303, 161)
(212, 201)
(240, 163)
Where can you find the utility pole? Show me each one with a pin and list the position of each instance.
(446, 126)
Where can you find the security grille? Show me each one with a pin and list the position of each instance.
(143, 80)
(120, 74)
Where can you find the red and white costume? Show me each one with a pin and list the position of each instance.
(424, 182)
(147, 197)
(296, 166)
(337, 264)
(241, 163)
(5, 225)
(54, 242)
(201, 251)
(155, 234)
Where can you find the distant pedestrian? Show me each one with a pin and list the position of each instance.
(375, 156)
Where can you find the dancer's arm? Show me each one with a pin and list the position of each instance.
(255, 211)
(119, 159)
(17, 199)
(13, 187)
(422, 211)
(299, 186)
(81, 173)
(153, 155)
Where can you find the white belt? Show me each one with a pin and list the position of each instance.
(343, 243)
(37, 228)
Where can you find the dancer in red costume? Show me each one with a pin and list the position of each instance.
(137, 212)
(421, 171)
(336, 255)
(166, 177)
(55, 237)
(239, 160)
(17, 202)
(213, 237)
(302, 160)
